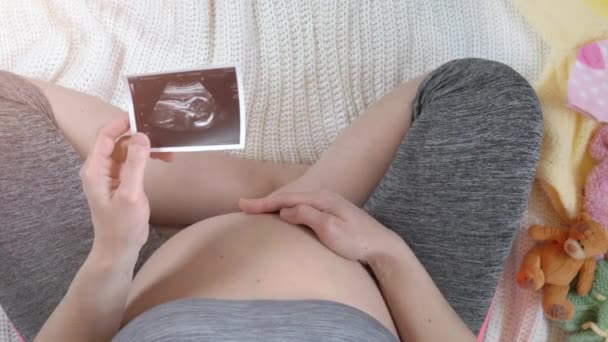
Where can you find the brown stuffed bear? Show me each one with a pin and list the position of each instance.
(565, 253)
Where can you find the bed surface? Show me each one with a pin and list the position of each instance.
(310, 68)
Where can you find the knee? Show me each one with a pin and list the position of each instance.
(20, 96)
(16, 89)
(483, 70)
(489, 92)
(495, 82)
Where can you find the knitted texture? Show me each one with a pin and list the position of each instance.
(590, 308)
(310, 67)
(7, 333)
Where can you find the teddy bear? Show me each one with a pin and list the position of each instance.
(596, 186)
(565, 253)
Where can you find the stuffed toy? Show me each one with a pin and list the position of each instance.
(590, 321)
(596, 186)
(587, 93)
(566, 253)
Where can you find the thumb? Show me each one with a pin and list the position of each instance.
(132, 173)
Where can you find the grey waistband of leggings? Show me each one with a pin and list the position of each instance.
(254, 320)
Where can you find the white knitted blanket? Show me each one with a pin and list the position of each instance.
(310, 66)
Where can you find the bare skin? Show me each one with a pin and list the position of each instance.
(184, 191)
(248, 256)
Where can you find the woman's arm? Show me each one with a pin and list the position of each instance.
(356, 161)
(418, 308)
(93, 307)
(113, 183)
(194, 186)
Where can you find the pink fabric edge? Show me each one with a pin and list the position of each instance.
(579, 110)
(484, 327)
(17, 331)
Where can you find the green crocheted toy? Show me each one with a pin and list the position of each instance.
(590, 321)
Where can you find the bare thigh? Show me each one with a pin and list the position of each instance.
(195, 186)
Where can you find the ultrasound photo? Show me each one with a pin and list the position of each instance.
(193, 110)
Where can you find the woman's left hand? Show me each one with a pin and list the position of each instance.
(344, 228)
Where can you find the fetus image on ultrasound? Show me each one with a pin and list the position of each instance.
(193, 110)
(184, 106)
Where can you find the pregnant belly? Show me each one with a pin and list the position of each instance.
(240, 256)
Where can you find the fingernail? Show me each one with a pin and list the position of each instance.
(140, 139)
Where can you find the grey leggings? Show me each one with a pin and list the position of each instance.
(456, 190)
(458, 187)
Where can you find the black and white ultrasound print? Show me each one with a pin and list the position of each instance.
(193, 110)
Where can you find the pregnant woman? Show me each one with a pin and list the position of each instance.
(399, 231)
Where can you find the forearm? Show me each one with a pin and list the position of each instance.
(193, 187)
(93, 307)
(357, 160)
(196, 186)
(419, 310)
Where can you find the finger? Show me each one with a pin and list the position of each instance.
(120, 149)
(120, 152)
(119, 155)
(164, 156)
(132, 174)
(106, 138)
(322, 200)
(322, 223)
(97, 169)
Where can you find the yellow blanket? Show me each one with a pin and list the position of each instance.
(599, 6)
(565, 25)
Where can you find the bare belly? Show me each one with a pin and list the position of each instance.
(239, 256)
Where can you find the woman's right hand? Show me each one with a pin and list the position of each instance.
(113, 182)
(343, 227)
